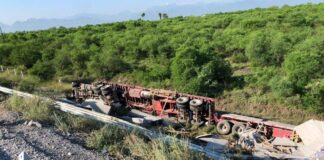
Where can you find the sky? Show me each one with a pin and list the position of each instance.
(21, 10)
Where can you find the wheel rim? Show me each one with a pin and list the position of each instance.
(239, 130)
(224, 128)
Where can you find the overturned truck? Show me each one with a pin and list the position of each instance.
(178, 107)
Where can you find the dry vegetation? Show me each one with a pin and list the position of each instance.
(251, 103)
(118, 142)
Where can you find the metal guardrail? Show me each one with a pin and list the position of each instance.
(65, 107)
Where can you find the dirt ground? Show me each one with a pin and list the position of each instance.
(39, 143)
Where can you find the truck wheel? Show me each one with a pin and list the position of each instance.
(238, 128)
(182, 106)
(182, 100)
(224, 127)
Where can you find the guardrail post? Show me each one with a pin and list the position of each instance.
(15, 72)
(1, 68)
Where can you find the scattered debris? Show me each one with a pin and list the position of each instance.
(258, 136)
(23, 156)
(33, 123)
(284, 145)
(139, 121)
(214, 142)
(311, 134)
(283, 142)
(319, 154)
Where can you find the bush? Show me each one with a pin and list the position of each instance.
(267, 48)
(108, 136)
(32, 108)
(43, 70)
(28, 84)
(301, 67)
(71, 123)
(281, 86)
(239, 58)
(197, 72)
(160, 149)
(313, 100)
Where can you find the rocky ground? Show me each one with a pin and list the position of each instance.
(39, 143)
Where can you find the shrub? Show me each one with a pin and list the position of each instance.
(32, 108)
(71, 123)
(281, 86)
(28, 84)
(302, 67)
(197, 72)
(108, 136)
(239, 58)
(160, 149)
(43, 70)
(313, 100)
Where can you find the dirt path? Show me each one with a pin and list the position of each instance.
(39, 143)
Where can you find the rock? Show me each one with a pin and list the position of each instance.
(25, 123)
(69, 154)
(1, 135)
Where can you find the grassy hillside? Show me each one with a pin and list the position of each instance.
(261, 62)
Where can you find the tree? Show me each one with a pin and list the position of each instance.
(107, 65)
(165, 16)
(306, 62)
(24, 55)
(143, 15)
(313, 100)
(301, 67)
(197, 72)
(43, 70)
(5, 51)
(267, 48)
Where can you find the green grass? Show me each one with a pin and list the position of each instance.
(32, 108)
(132, 145)
(42, 111)
(108, 136)
(160, 149)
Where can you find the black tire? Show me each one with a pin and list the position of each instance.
(238, 129)
(224, 127)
